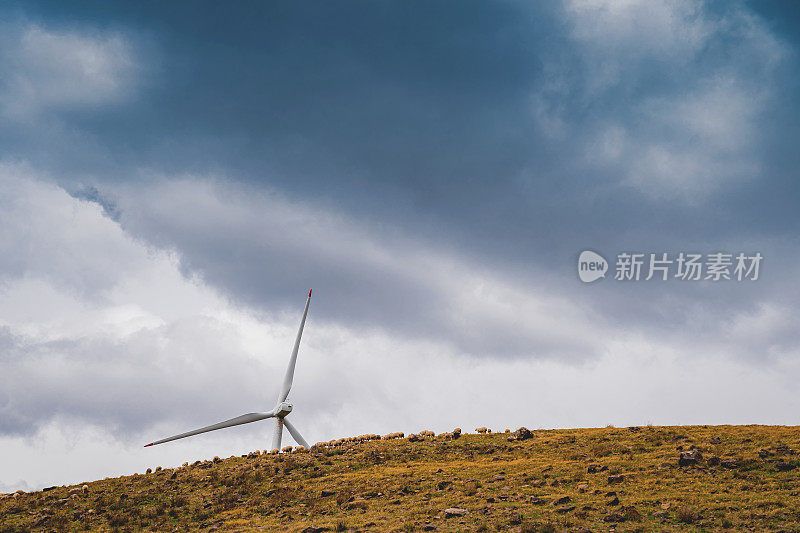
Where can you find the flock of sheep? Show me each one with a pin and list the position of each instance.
(335, 443)
(413, 437)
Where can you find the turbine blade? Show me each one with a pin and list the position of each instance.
(287, 380)
(277, 434)
(298, 438)
(244, 419)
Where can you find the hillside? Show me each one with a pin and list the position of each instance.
(573, 480)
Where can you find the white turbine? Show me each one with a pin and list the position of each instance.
(279, 412)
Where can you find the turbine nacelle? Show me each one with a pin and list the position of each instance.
(282, 409)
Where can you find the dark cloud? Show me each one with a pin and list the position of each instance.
(513, 136)
(90, 193)
(454, 124)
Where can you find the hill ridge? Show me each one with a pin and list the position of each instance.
(637, 478)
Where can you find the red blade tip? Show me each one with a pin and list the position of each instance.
(146, 445)
(309, 293)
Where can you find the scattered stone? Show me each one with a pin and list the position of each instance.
(729, 463)
(613, 501)
(715, 440)
(454, 511)
(562, 500)
(782, 449)
(313, 529)
(582, 487)
(356, 504)
(712, 460)
(594, 469)
(782, 466)
(325, 493)
(634, 429)
(456, 433)
(565, 509)
(47, 489)
(619, 478)
(631, 514)
(688, 515)
(481, 430)
(413, 438)
(443, 484)
(428, 527)
(522, 433)
(535, 500)
(690, 457)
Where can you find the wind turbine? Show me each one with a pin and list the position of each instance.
(279, 412)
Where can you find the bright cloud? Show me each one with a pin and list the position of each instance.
(57, 70)
(682, 141)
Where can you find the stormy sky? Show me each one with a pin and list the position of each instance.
(175, 176)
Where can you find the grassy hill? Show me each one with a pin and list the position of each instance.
(729, 477)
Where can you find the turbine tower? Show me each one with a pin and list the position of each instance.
(279, 412)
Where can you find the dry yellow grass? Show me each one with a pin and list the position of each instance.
(747, 479)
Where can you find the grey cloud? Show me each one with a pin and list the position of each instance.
(129, 384)
(90, 193)
(263, 250)
(45, 237)
(445, 130)
(57, 70)
(672, 137)
(260, 248)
